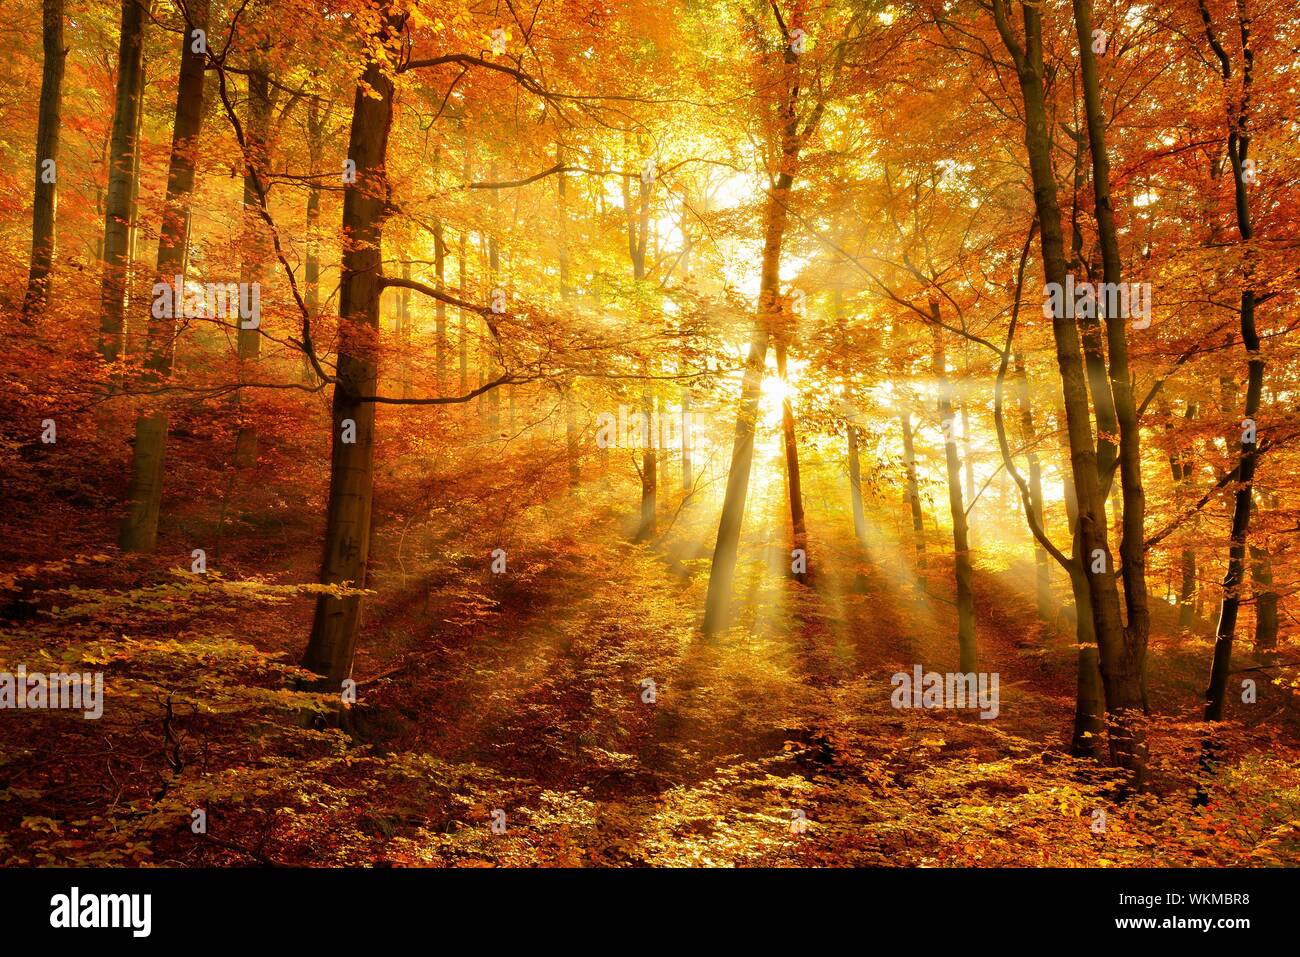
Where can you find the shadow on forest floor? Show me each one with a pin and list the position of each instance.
(529, 694)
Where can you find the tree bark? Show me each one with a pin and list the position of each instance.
(439, 307)
(726, 548)
(717, 608)
(462, 252)
(252, 243)
(45, 194)
(133, 229)
(117, 204)
(316, 122)
(1121, 672)
(960, 537)
(1132, 547)
(1225, 632)
(794, 484)
(1028, 434)
(139, 530)
(1180, 467)
(638, 233)
(405, 319)
(914, 495)
(332, 645)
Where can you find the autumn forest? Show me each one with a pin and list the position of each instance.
(608, 433)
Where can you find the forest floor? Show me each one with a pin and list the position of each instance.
(774, 743)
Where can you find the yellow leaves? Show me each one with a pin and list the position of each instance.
(41, 824)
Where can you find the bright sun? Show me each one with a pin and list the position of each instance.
(774, 390)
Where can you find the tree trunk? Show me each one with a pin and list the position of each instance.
(1088, 740)
(332, 646)
(688, 436)
(717, 608)
(406, 321)
(252, 243)
(1180, 467)
(638, 234)
(316, 120)
(462, 252)
(117, 204)
(957, 507)
(440, 307)
(1225, 632)
(649, 473)
(855, 485)
(571, 437)
(914, 496)
(139, 531)
(1121, 674)
(1266, 621)
(45, 195)
(794, 484)
(133, 230)
(462, 346)
(1028, 434)
(493, 398)
(1132, 547)
(968, 458)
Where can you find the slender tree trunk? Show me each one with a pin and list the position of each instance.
(855, 485)
(117, 204)
(1089, 737)
(638, 234)
(968, 457)
(1225, 632)
(332, 646)
(1121, 672)
(133, 230)
(1266, 620)
(960, 537)
(1266, 596)
(794, 484)
(494, 277)
(1180, 467)
(649, 470)
(440, 307)
(914, 495)
(1028, 433)
(45, 195)
(850, 419)
(717, 611)
(316, 121)
(139, 530)
(562, 241)
(252, 245)
(571, 438)
(406, 322)
(462, 252)
(688, 439)
(462, 344)
(1132, 547)
(688, 432)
